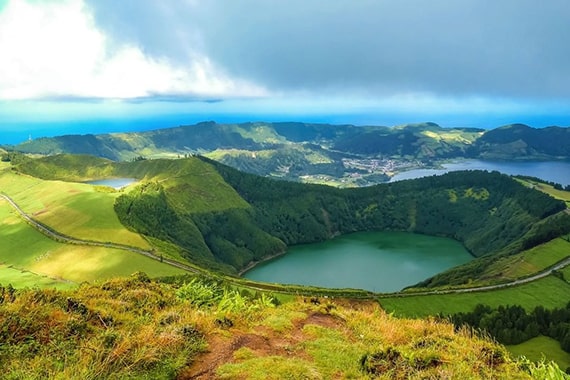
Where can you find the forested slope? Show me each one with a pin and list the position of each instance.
(485, 211)
(521, 141)
(224, 219)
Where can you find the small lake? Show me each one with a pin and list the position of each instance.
(117, 183)
(376, 261)
(554, 171)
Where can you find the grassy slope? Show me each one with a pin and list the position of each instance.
(535, 349)
(62, 261)
(193, 186)
(530, 261)
(550, 292)
(19, 278)
(74, 209)
(548, 189)
(133, 328)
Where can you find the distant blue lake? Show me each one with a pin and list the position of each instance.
(116, 183)
(555, 171)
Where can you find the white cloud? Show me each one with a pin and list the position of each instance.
(54, 49)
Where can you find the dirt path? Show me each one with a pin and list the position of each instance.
(263, 342)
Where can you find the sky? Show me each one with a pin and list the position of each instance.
(78, 66)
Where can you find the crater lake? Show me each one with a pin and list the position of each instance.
(375, 261)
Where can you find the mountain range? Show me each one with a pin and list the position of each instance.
(302, 151)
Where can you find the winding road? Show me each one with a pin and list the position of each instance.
(71, 240)
(537, 276)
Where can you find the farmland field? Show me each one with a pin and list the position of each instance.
(538, 348)
(76, 263)
(73, 209)
(550, 292)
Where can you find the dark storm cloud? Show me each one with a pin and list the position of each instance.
(505, 48)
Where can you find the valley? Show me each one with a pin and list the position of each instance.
(195, 216)
(221, 190)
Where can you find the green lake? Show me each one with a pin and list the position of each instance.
(376, 261)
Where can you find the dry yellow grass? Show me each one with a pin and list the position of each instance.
(136, 328)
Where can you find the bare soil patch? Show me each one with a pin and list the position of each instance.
(262, 342)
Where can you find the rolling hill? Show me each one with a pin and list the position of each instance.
(520, 141)
(345, 155)
(202, 212)
(225, 218)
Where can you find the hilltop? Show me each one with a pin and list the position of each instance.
(345, 155)
(137, 328)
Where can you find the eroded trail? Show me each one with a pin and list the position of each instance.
(263, 342)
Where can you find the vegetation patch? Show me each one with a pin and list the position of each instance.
(539, 348)
(76, 263)
(530, 261)
(57, 203)
(549, 292)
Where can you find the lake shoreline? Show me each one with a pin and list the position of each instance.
(551, 170)
(254, 263)
(116, 183)
(378, 261)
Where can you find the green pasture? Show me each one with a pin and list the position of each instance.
(23, 279)
(542, 347)
(550, 292)
(82, 263)
(558, 194)
(20, 244)
(73, 209)
(529, 262)
(220, 153)
(260, 134)
(194, 187)
(548, 189)
(566, 273)
(24, 248)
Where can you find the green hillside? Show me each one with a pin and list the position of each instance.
(202, 212)
(519, 141)
(226, 219)
(296, 151)
(78, 211)
(136, 328)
